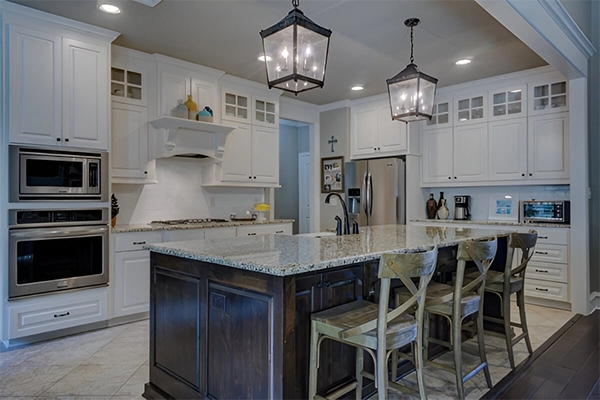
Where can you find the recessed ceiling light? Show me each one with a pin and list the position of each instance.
(263, 58)
(464, 61)
(357, 87)
(109, 8)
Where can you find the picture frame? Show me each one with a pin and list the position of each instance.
(332, 174)
(504, 207)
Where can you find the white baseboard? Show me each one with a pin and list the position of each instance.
(594, 301)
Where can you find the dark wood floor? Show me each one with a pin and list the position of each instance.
(567, 366)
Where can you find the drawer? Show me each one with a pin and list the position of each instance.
(548, 272)
(547, 290)
(279, 229)
(220, 233)
(183, 234)
(135, 240)
(553, 253)
(552, 236)
(46, 315)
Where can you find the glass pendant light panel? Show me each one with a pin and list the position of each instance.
(279, 53)
(427, 94)
(296, 86)
(312, 53)
(403, 99)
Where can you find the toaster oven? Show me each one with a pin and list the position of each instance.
(552, 211)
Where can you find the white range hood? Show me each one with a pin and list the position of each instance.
(183, 137)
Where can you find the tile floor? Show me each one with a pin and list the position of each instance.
(112, 363)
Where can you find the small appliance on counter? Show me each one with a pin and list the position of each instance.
(462, 207)
(553, 211)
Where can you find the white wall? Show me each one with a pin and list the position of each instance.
(480, 197)
(179, 194)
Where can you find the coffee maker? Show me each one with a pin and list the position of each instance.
(462, 210)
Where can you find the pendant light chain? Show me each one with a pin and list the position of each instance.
(412, 59)
(295, 3)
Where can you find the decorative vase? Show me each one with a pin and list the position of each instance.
(439, 204)
(181, 111)
(443, 211)
(192, 107)
(113, 221)
(431, 207)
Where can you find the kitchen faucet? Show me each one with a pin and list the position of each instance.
(346, 219)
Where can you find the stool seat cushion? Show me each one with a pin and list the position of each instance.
(331, 322)
(494, 281)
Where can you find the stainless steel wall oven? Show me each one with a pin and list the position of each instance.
(55, 250)
(51, 174)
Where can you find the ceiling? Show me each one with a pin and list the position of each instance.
(369, 42)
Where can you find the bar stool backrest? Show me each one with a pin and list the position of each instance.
(526, 243)
(403, 266)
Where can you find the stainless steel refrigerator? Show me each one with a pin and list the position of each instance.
(375, 191)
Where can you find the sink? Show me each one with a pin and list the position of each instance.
(317, 234)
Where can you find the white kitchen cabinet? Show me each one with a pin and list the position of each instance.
(548, 146)
(279, 229)
(469, 108)
(251, 155)
(180, 235)
(437, 159)
(236, 106)
(129, 142)
(507, 102)
(58, 90)
(264, 229)
(374, 133)
(548, 96)
(470, 153)
(441, 114)
(131, 73)
(265, 112)
(130, 278)
(507, 140)
(220, 233)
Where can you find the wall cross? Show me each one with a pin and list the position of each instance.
(332, 141)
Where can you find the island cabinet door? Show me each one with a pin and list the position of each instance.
(337, 361)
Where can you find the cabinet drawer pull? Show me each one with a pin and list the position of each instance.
(323, 284)
(62, 315)
(541, 289)
(542, 237)
(138, 243)
(252, 234)
(545, 271)
(278, 231)
(541, 252)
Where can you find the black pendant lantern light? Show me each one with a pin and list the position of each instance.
(411, 92)
(295, 52)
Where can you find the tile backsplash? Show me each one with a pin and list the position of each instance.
(179, 194)
(481, 197)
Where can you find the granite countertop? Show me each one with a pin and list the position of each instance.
(284, 255)
(167, 227)
(486, 222)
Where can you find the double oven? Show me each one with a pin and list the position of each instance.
(58, 220)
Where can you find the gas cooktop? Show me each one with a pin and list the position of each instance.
(188, 221)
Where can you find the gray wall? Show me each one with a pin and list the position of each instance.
(336, 123)
(303, 139)
(579, 10)
(286, 197)
(594, 147)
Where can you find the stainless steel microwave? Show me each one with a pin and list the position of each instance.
(555, 211)
(54, 174)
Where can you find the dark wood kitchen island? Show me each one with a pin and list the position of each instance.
(230, 318)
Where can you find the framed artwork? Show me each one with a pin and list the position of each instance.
(504, 207)
(332, 174)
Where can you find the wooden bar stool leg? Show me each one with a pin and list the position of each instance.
(382, 373)
(507, 329)
(394, 366)
(521, 305)
(359, 367)
(418, 361)
(456, 340)
(314, 361)
(481, 344)
(425, 336)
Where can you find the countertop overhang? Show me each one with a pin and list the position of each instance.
(284, 255)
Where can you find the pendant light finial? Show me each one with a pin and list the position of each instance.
(411, 92)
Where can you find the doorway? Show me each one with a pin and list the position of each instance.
(292, 199)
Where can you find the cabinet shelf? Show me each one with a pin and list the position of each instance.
(174, 123)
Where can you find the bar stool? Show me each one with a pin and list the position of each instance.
(377, 329)
(457, 302)
(512, 280)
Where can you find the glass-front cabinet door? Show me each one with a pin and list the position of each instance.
(126, 84)
(236, 106)
(507, 102)
(441, 115)
(266, 112)
(470, 110)
(549, 97)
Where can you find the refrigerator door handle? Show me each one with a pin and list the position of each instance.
(365, 193)
(370, 195)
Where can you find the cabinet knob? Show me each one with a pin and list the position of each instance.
(522, 174)
(254, 177)
(375, 148)
(530, 174)
(67, 139)
(146, 172)
(58, 139)
(249, 177)
(454, 177)
(449, 177)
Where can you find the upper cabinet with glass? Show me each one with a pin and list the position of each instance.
(441, 115)
(507, 102)
(548, 97)
(236, 106)
(470, 109)
(266, 112)
(126, 86)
